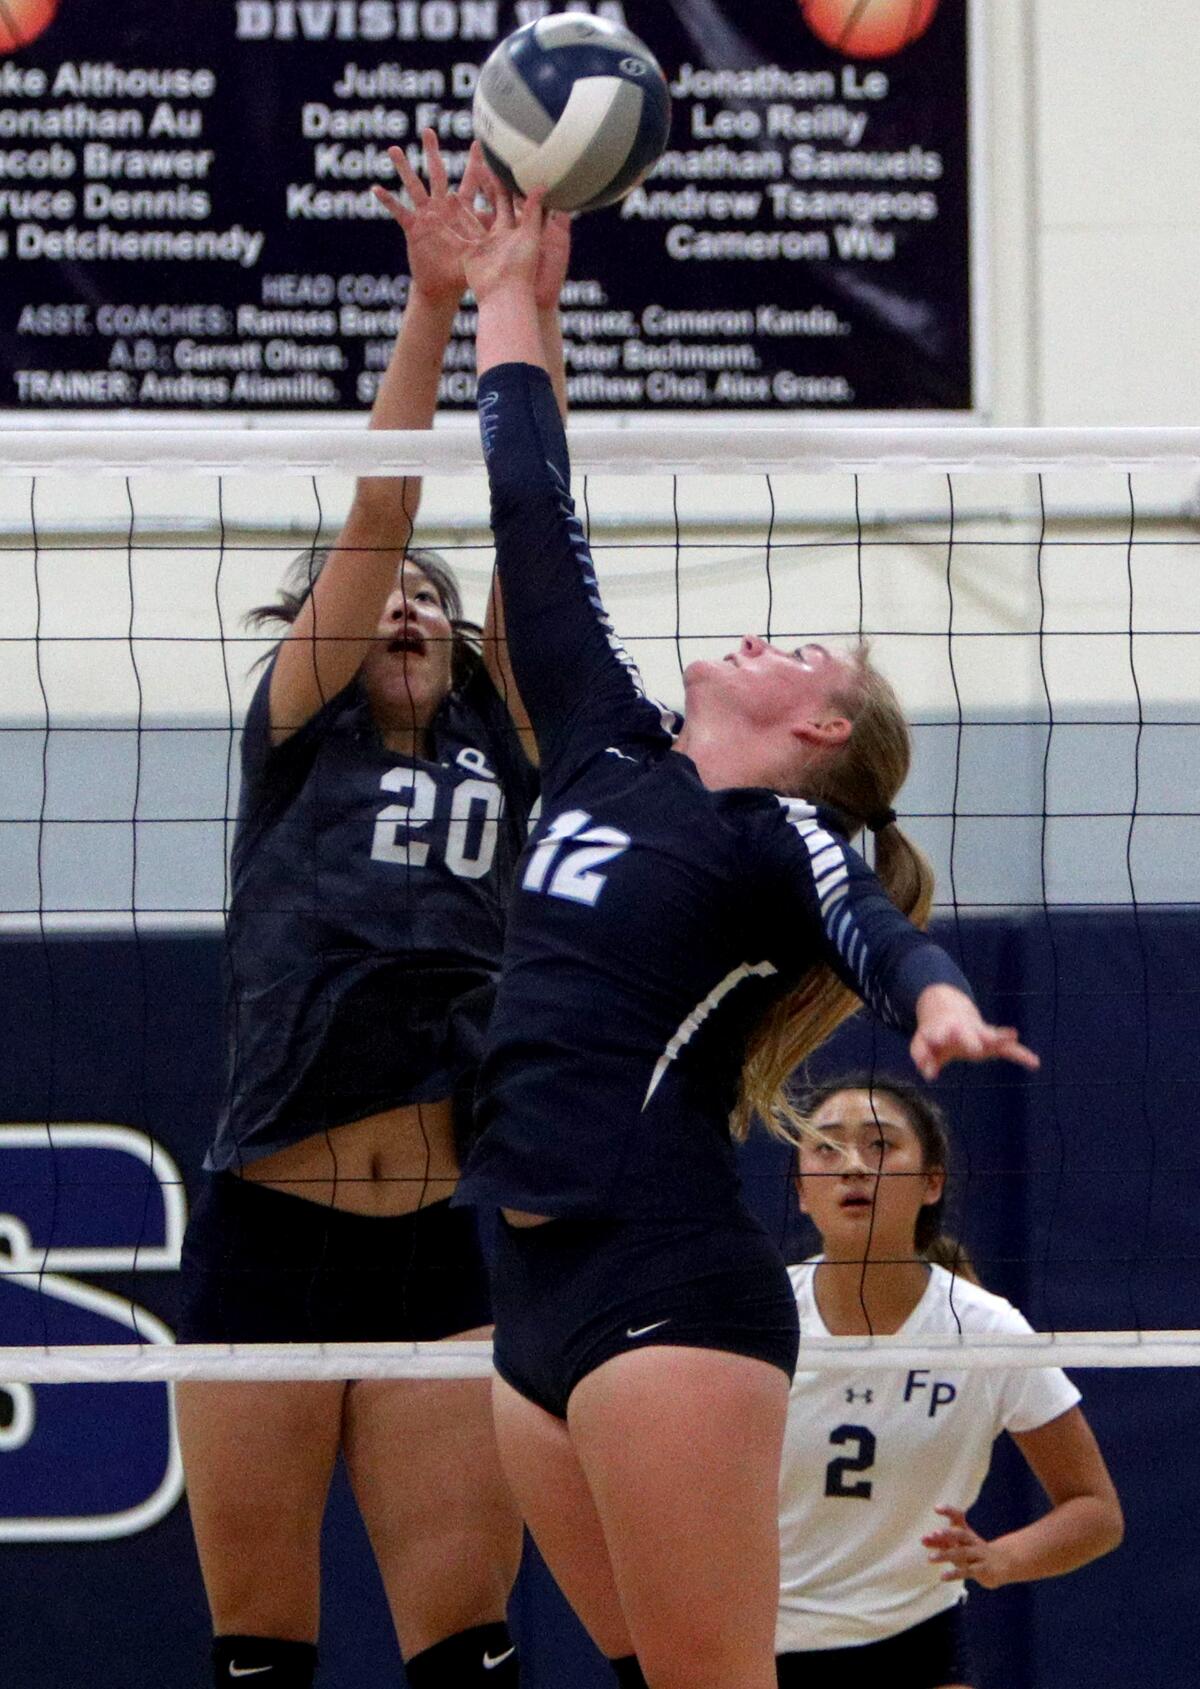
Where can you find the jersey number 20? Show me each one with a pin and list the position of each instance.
(560, 872)
(474, 809)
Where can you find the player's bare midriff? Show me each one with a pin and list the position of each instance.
(389, 1163)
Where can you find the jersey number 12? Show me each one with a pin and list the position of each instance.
(560, 872)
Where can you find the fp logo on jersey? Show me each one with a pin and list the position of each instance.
(941, 1391)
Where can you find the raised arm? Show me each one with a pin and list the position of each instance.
(553, 260)
(582, 690)
(330, 637)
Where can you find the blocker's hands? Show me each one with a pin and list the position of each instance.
(508, 253)
(965, 1552)
(950, 1028)
(554, 258)
(438, 220)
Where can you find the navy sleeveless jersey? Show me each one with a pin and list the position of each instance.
(654, 921)
(366, 917)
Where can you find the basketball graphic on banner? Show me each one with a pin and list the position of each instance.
(22, 21)
(868, 29)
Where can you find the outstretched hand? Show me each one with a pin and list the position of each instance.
(964, 1551)
(508, 253)
(438, 222)
(950, 1028)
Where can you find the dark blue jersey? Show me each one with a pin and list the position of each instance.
(366, 918)
(654, 920)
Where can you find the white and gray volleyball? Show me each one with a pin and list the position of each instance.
(576, 105)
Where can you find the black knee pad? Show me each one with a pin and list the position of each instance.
(485, 1655)
(272, 1663)
(628, 1673)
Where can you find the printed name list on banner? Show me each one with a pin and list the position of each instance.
(187, 223)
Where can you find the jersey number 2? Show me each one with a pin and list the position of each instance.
(835, 1472)
(573, 875)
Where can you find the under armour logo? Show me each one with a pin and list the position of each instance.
(853, 1395)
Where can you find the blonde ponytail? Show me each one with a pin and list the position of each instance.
(860, 780)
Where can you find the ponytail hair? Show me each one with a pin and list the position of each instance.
(860, 779)
(931, 1241)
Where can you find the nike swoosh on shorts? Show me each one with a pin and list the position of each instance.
(643, 1329)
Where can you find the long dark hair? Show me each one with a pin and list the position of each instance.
(305, 570)
(933, 1243)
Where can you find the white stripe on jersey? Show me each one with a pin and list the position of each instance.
(692, 1022)
(827, 857)
(669, 719)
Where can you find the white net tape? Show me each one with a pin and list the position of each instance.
(264, 1362)
(620, 451)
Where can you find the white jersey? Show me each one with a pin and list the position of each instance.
(867, 1456)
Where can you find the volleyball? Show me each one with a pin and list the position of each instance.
(574, 104)
(868, 29)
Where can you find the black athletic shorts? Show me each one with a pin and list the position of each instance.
(926, 1656)
(568, 1295)
(262, 1266)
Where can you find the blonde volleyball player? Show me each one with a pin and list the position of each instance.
(881, 1468)
(670, 905)
(383, 804)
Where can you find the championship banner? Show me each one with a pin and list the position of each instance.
(187, 223)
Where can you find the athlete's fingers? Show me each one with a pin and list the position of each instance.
(1014, 1051)
(394, 206)
(924, 1058)
(932, 1048)
(486, 181)
(472, 183)
(955, 1515)
(435, 165)
(462, 220)
(534, 211)
(413, 185)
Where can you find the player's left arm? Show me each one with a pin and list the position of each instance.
(905, 979)
(1084, 1521)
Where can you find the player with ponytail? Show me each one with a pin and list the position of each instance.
(858, 781)
(682, 880)
(871, 1585)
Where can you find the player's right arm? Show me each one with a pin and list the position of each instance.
(327, 642)
(553, 261)
(581, 689)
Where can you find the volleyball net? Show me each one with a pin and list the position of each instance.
(1033, 594)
